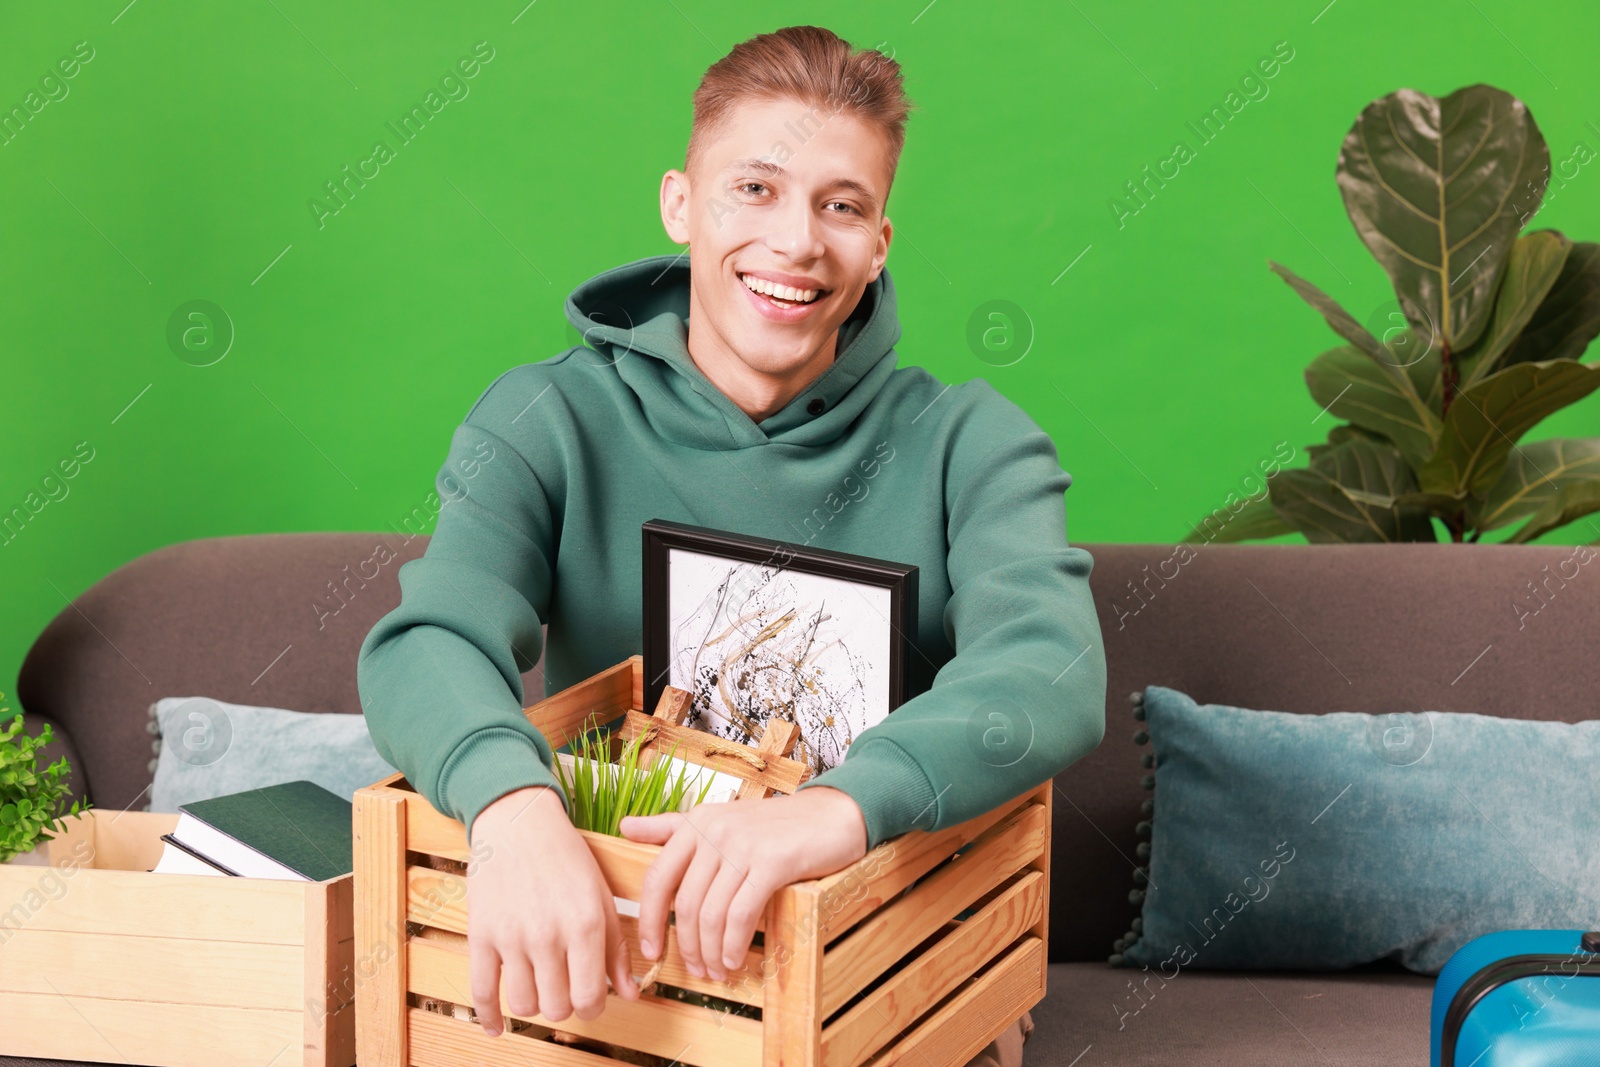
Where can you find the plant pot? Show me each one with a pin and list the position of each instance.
(38, 857)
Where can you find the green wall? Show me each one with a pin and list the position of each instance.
(180, 163)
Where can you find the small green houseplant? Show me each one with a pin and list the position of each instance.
(32, 800)
(601, 792)
(1484, 345)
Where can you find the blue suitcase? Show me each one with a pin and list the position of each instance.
(1520, 998)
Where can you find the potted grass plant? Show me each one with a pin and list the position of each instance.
(600, 792)
(32, 799)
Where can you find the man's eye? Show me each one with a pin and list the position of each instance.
(848, 207)
(747, 185)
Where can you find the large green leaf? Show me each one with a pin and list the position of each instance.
(1555, 481)
(1536, 261)
(1257, 519)
(1376, 395)
(1437, 190)
(1569, 318)
(1337, 436)
(1342, 322)
(1341, 496)
(1421, 360)
(1486, 420)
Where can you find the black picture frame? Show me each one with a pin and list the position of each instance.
(660, 537)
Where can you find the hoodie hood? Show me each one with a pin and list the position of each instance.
(636, 316)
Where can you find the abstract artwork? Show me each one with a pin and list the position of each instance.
(758, 630)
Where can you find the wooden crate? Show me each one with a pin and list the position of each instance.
(869, 965)
(102, 960)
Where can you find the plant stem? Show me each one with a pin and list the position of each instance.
(1448, 373)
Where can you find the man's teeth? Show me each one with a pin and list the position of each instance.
(780, 292)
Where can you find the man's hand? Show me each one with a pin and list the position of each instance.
(723, 862)
(540, 915)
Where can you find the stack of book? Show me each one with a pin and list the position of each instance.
(294, 830)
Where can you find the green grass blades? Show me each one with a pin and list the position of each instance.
(601, 792)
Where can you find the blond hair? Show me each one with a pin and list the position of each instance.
(812, 65)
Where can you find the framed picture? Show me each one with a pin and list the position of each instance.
(756, 628)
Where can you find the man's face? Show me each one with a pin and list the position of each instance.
(793, 195)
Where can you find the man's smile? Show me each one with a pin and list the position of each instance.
(779, 302)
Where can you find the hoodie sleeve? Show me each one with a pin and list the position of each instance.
(1024, 695)
(440, 676)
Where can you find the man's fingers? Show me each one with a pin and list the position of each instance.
(714, 917)
(586, 965)
(550, 975)
(743, 913)
(651, 829)
(687, 902)
(660, 882)
(619, 958)
(484, 972)
(517, 979)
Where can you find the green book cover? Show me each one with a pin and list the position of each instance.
(299, 824)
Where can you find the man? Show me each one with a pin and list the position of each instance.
(754, 389)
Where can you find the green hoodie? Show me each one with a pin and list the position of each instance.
(558, 463)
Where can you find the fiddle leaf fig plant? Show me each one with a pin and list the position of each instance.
(32, 800)
(1486, 343)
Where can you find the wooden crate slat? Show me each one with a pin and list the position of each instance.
(780, 774)
(622, 862)
(171, 969)
(743, 985)
(1046, 794)
(605, 695)
(430, 830)
(867, 951)
(793, 969)
(778, 738)
(684, 1032)
(438, 899)
(149, 1032)
(380, 826)
(340, 1044)
(978, 1014)
(329, 978)
(437, 1041)
(260, 910)
(965, 946)
(854, 892)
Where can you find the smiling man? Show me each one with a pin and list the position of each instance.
(752, 388)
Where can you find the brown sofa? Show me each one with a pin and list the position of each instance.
(1507, 630)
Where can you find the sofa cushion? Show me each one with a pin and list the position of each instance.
(1099, 1016)
(1323, 841)
(211, 748)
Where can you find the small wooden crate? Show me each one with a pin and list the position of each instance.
(102, 960)
(869, 965)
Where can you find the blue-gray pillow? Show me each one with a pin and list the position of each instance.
(1282, 840)
(209, 748)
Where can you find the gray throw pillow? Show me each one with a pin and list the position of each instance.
(1281, 840)
(209, 748)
